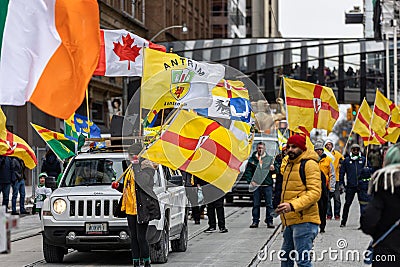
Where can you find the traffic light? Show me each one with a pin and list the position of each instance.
(349, 114)
(353, 110)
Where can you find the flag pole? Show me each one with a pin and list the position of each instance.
(352, 128)
(162, 127)
(87, 111)
(144, 148)
(162, 116)
(369, 128)
(280, 87)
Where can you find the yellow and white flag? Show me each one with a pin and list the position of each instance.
(170, 80)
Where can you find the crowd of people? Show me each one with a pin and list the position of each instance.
(307, 180)
(299, 185)
(12, 182)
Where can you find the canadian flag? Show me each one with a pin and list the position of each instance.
(121, 53)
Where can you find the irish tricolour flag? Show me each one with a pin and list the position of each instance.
(49, 50)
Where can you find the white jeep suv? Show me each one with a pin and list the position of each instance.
(79, 213)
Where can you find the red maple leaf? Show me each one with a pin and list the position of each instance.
(126, 51)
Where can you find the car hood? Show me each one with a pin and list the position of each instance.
(98, 190)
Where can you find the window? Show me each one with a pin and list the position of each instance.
(93, 172)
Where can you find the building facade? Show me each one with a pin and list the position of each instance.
(262, 18)
(228, 19)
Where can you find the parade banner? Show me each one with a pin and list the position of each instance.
(386, 118)
(170, 80)
(121, 53)
(15, 146)
(201, 147)
(363, 128)
(48, 54)
(310, 106)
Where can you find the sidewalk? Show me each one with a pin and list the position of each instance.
(345, 244)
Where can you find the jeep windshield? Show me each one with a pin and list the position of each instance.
(92, 172)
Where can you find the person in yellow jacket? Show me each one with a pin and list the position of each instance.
(329, 180)
(338, 158)
(139, 202)
(299, 208)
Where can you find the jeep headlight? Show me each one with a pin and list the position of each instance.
(59, 206)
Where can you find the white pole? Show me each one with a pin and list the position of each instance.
(387, 67)
(395, 60)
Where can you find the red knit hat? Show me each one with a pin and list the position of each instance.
(298, 140)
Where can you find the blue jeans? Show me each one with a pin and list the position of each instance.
(257, 194)
(336, 202)
(298, 237)
(18, 187)
(5, 190)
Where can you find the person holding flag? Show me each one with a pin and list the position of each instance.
(356, 169)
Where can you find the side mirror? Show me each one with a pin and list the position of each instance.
(50, 182)
(176, 180)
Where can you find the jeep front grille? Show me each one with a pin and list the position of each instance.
(92, 208)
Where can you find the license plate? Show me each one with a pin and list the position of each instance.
(96, 228)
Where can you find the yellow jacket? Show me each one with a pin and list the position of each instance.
(326, 166)
(129, 194)
(336, 163)
(302, 199)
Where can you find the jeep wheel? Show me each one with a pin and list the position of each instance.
(52, 254)
(180, 245)
(159, 251)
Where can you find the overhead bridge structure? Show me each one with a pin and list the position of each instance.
(353, 68)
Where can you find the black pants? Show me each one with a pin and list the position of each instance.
(322, 208)
(336, 202)
(216, 206)
(139, 244)
(363, 199)
(191, 193)
(214, 198)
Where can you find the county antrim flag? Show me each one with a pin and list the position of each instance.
(201, 147)
(170, 80)
(310, 106)
(121, 53)
(15, 146)
(49, 50)
(363, 128)
(61, 145)
(386, 118)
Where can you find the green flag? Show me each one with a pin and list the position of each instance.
(62, 146)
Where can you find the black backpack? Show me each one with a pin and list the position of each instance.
(302, 172)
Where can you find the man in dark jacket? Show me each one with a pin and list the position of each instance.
(51, 165)
(259, 174)
(18, 187)
(352, 166)
(6, 177)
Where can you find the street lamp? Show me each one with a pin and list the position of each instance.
(183, 26)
